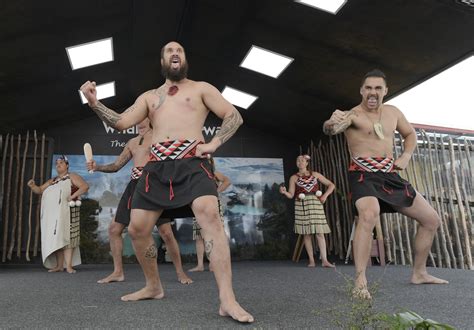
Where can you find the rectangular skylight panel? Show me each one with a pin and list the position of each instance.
(331, 6)
(265, 61)
(91, 53)
(103, 91)
(238, 98)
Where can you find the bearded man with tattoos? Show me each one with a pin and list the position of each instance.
(178, 176)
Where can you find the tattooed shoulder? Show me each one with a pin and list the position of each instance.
(161, 93)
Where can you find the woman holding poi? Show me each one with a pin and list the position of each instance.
(60, 205)
(309, 211)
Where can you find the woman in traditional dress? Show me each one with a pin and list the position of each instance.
(309, 211)
(60, 235)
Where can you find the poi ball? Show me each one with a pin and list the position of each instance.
(301, 196)
(319, 193)
(72, 203)
(78, 203)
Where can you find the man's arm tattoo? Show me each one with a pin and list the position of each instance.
(107, 115)
(341, 127)
(229, 126)
(151, 251)
(208, 245)
(117, 165)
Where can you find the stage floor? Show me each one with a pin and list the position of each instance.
(280, 294)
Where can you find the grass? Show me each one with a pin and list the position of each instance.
(356, 313)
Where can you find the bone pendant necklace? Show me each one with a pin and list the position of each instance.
(378, 128)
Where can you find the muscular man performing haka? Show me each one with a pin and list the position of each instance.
(375, 187)
(176, 175)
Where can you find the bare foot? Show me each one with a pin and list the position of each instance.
(71, 270)
(361, 293)
(54, 270)
(327, 264)
(426, 279)
(236, 312)
(144, 293)
(197, 269)
(184, 279)
(112, 278)
(312, 265)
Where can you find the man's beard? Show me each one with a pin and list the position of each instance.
(175, 75)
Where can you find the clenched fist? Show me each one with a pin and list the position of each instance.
(338, 116)
(90, 93)
(338, 122)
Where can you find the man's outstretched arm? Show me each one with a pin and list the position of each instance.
(132, 116)
(119, 162)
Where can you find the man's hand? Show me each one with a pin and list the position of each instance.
(402, 162)
(90, 93)
(205, 149)
(338, 122)
(337, 116)
(31, 183)
(91, 165)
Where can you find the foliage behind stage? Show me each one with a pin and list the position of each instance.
(256, 220)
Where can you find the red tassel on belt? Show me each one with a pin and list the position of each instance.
(171, 189)
(147, 186)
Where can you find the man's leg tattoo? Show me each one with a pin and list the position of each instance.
(208, 248)
(151, 251)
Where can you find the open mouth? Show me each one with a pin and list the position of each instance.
(372, 101)
(175, 62)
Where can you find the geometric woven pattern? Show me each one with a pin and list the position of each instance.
(136, 173)
(171, 150)
(306, 184)
(372, 164)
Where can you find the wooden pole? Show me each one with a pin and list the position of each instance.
(439, 181)
(452, 214)
(447, 196)
(426, 179)
(19, 240)
(462, 214)
(435, 190)
(404, 218)
(348, 218)
(397, 215)
(336, 199)
(38, 206)
(465, 176)
(5, 205)
(30, 204)
(15, 199)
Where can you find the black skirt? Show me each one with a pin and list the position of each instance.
(124, 207)
(391, 190)
(172, 185)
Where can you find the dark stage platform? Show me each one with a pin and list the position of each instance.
(280, 294)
